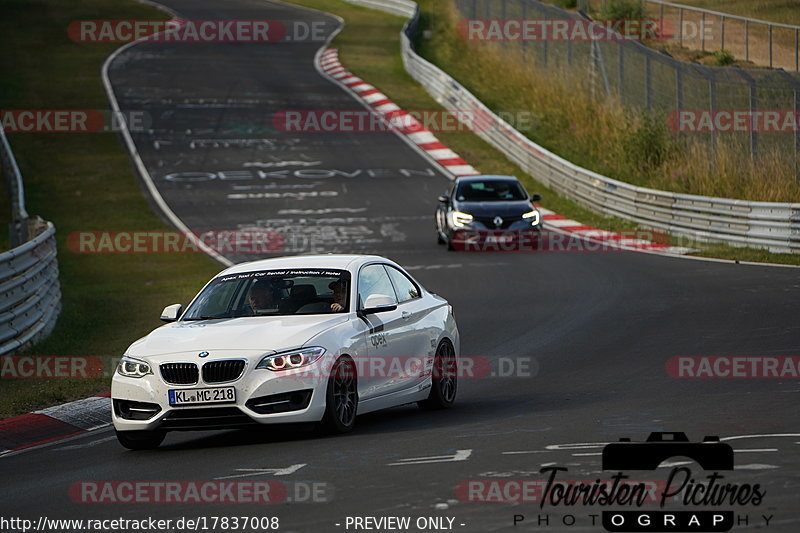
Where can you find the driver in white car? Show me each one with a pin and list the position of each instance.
(262, 297)
(339, 289)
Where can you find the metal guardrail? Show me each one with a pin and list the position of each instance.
(16, 191)
(767, 225)
(30, 293)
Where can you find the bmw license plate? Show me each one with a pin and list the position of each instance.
(500, 238)
(202, 396)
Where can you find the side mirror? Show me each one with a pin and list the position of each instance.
(536, 197)
(171, 312)
(444, 199)
(378, 303)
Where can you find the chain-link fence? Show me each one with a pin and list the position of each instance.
(755, 109)
(759, 41)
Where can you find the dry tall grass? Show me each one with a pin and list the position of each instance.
(598, 133)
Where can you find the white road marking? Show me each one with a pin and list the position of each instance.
(757, 436)
(443, 153)
(562, 222)
(451, 265)
(460, 170)
(460, 455)
(85, 445)
(269, 164)
(755, 466)
(576, 446)
(249, 472)
(374, 97)
(423, 137)
(522, 452)
(670, 464)
(386, 108)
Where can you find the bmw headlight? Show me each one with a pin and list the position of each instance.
(460, 219)
(292, 359)
(133, 368)
(532, 216)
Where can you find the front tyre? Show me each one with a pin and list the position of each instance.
(141, 440)
(445, 378)
(341, 398)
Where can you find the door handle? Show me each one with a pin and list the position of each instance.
(406, 315)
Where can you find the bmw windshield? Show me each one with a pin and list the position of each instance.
(273, 293)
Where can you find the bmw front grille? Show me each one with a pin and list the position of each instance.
(179, 373)
(222, 371)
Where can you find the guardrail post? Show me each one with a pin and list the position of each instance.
(544, 52)
(770, 45)
(621, 72)
(648, 83)
(753, 108)
(703, 31)
(747, 40)
(722, 43)
(596, 59)
(712, 97)
(569, 52)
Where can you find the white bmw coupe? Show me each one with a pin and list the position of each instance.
(296, 339)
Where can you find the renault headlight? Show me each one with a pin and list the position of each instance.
(292, 359)
(133, 368)
(460, 219)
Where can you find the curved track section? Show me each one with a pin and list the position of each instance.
(226, 153)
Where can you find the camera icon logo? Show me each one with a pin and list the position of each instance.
(711, 454)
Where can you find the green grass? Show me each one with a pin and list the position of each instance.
(83, 181)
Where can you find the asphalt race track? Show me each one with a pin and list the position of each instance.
(585, 337)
